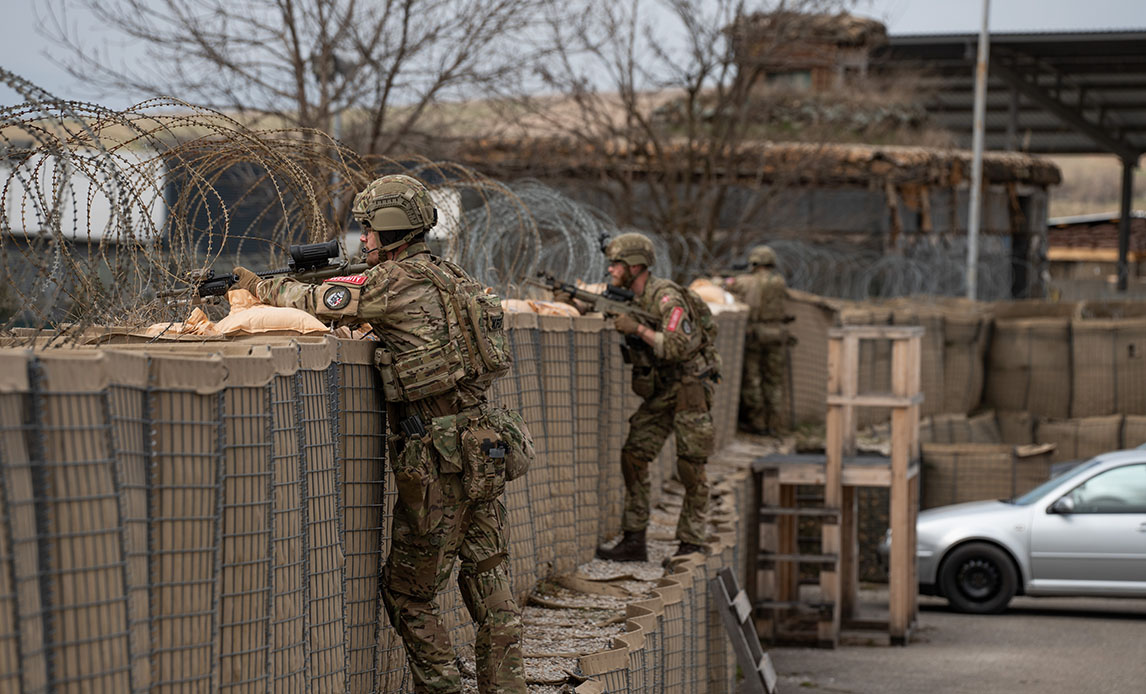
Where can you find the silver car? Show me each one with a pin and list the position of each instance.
(1081, 533)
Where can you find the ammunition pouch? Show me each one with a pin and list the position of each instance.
(692, 396)
(432, 369)
(483, 463)
(769, 334)
(644, 380)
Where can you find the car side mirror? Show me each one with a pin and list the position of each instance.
(1064, 505)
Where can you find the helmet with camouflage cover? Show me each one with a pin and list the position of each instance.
(762, 256)
(631, 249)
(392, 204)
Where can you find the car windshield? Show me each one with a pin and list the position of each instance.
(1037, 493)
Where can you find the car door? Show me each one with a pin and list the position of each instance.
(1099, 546)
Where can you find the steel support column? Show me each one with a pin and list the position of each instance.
(1127, 193)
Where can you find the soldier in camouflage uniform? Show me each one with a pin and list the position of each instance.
(670, 373)
(442, 510)
(765, 345)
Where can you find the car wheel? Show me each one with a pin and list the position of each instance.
(978, 578)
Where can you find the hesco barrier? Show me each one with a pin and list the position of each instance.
(212, 516)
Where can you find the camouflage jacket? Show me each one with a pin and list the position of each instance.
(401, 305)
(764, 291)
(678, 337)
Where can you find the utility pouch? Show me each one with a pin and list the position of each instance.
(512, 430)
(692, 397)
(483, 464)
(419, 496)
(431, 369)
(644, 381)
(769, 334)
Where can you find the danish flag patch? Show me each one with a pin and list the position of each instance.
(357, 280)
(674, 319)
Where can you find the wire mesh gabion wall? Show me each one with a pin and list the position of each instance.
(213, 516)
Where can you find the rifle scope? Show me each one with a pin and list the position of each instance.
(312, 256)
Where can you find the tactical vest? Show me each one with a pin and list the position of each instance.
(703, 317)
(475, 354)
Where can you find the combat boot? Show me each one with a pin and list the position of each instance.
(689, 548)
(630, 548)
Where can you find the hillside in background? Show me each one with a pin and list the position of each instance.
(1090, 184)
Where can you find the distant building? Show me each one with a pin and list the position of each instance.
(1082, 255)
(817, 52)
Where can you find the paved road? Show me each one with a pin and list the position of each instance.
(1039, 646)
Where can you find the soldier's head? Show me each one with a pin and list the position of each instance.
(630, 256)
(394, 211)
(761, 257)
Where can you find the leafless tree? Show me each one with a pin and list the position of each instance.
(657, 92)
(305, 63)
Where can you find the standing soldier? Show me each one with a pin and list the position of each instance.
(764, 290)
(674, 365)
(442, 346)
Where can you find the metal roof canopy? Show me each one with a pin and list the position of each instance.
(1048, 93)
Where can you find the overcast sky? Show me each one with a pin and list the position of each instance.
(23, 51)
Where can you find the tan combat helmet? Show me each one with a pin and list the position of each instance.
(392, 203)
(631, 249)
(762, 256)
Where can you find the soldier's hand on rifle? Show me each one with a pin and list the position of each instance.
(246, 279)
(626, 324)
(563, 297)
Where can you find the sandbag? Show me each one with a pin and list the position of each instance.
(196, 324)
(1080, 439)
(249, 317)
(711, 293)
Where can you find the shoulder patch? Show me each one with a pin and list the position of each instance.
(358, 280)
(674, 319)
(666, 298)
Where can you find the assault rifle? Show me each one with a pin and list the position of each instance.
(309, 262)
(613, 302)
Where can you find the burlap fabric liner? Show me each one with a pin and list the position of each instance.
(1133, 431)
(1108, 374)
(1029, 367)
(1080, 439)
(249, 388)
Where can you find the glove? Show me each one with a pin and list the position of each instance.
(563, 297)
(246, 279)
(626, 324)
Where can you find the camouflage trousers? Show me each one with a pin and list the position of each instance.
(762, 387)
(434, 523)
(649, 426)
